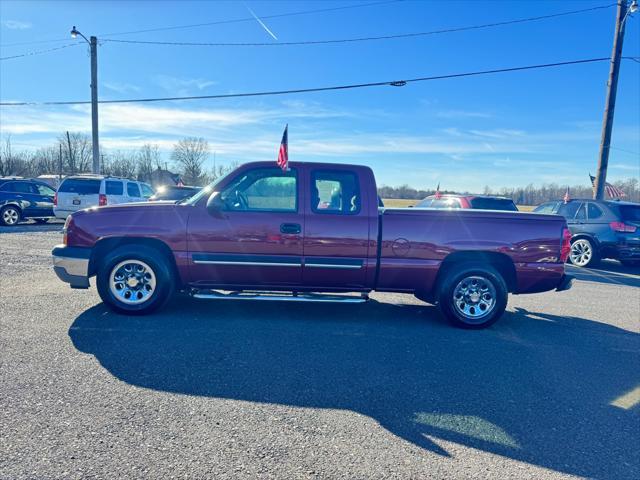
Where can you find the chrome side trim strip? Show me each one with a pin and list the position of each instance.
(329, 265)
(266, 296)
(258, 264)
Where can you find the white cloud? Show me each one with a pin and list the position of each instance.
(17, 25)
(182, 86)
(462, 114)
(121, 87)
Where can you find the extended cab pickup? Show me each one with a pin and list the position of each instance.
(312, 230)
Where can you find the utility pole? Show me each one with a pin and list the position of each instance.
(60, 164)
(612, 88)
(93, 44)
(94, 104)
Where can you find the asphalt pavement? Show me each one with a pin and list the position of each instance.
(213, 389)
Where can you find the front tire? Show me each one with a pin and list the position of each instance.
(472, 296)
(135, 280)
(10, 216)
(583, 253)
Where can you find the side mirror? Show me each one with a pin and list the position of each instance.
(215, 205)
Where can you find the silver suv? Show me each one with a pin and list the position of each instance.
(84, 191)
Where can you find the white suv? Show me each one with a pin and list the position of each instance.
(84, 191)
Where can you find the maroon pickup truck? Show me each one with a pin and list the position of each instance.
(309, 234)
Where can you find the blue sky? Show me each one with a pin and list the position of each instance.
(499, 130)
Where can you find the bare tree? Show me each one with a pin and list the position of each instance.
(190, 153)
(120, 164)
(12, 163)
(76, 151)
(148, 159)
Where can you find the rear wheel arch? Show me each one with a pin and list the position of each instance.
(109, 244)
(501, 262)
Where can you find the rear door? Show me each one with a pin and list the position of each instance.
(133, 192)
(114, 190)
(336, 241)
(257, 242)
(78, 193)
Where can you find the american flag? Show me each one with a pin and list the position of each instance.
(438, 194)
(610, 190)
(566, 197)
(283, 153)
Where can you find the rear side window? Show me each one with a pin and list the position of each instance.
(630, 212)
(335, 192)
(594, 211)
(7, 187)
(493, 204)
(582, 212)
(568, 210)
(133, 190)
(81, 186)
(113, 187)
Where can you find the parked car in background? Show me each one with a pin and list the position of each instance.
(84, 191)
(600, 229)
(313, 229)
(174, 192)
(479, 202)
(25, 198)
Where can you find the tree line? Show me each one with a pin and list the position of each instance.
(71, 154)
(528, 195)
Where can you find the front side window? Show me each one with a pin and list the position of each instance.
(146, 190)
(335, 192)
(133, 190)
(262, 190)
(113, 187)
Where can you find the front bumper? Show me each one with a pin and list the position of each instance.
(71, 265)
(566, 283)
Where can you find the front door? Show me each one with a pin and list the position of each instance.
(257, 242)
(336, 242)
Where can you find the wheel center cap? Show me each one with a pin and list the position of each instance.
(132, 282)
(474, 297)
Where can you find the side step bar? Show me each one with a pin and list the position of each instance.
(278, 296)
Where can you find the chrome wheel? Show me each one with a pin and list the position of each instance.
(132, 282)
(581, 252)
(474, 298)
(10, 216)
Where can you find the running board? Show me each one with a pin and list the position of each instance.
(278, 296)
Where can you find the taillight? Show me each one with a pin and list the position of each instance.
(102, 200)
(55, 199)
(565, 249)
(65, 230)
(622, 227)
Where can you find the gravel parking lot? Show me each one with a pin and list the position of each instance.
(251, 390)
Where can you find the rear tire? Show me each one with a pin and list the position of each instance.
(10, 216)
(472, 296)
(135, 280)
(584, 253)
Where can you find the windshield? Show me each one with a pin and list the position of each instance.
(206, 191)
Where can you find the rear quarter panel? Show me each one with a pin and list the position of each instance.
(416, 241)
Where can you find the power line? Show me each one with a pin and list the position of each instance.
(218, 22)
(393, 83)
(362, 39)
(39, 52)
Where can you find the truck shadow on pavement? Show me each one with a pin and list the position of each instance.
(608, 271)
(535, 387)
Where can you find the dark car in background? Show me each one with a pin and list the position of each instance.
(479, 202)
(174, 192)
(25, 198)
(600, 229)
